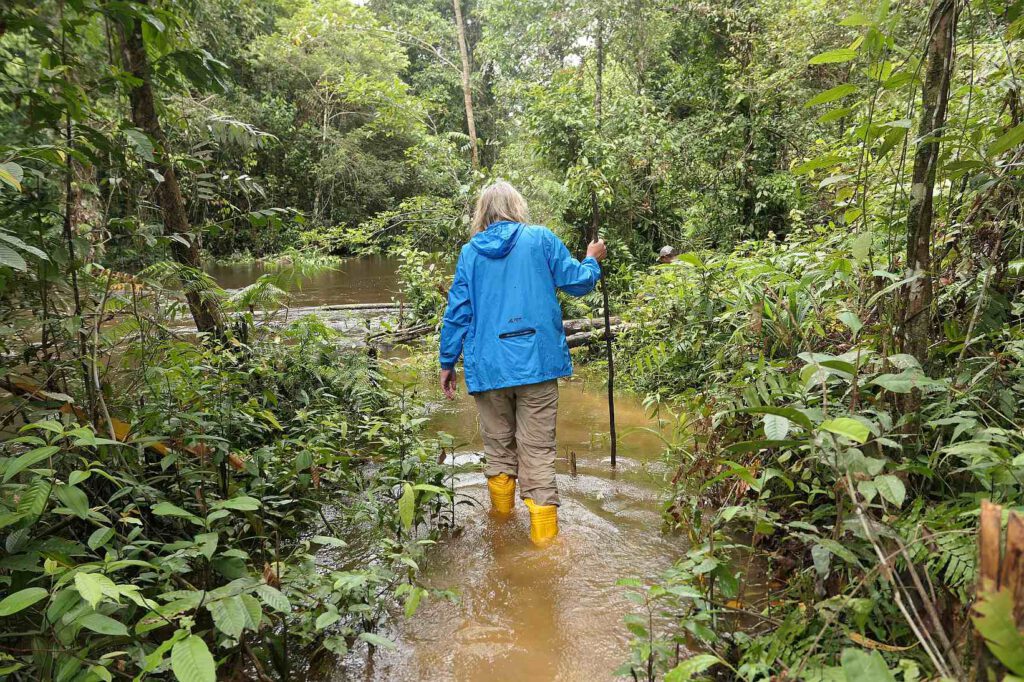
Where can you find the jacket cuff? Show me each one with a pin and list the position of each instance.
(595, 262)
(447, 365)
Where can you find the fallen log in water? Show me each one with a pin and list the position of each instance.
(583, 338)
(586, 324)
(359, 306)
(578, 332)
(400, 335)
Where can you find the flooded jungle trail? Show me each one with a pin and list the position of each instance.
(522, 613)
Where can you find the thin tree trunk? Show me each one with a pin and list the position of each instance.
(86, 208)
(184, 248)
(467, 92)
(69, 239)
(916, 317)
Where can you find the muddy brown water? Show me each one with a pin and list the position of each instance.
(523, 613)
(371, 279)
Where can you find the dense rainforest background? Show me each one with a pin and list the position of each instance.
(838, 344)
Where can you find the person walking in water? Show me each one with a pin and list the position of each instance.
(503, 317)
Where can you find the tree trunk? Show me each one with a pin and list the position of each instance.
(86, 208)
(184, 248)
(916, 314)
(467, 92)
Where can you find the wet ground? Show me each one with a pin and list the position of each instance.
(524, 613)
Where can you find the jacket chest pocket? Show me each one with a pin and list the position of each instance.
(517, 333)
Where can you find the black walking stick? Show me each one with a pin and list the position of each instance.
(594, 222)
(595, 218)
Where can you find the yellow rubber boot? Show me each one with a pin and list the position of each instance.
(503, 493)
(543, 522)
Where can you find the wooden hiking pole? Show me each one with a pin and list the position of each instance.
(594, 222)
(603, 283)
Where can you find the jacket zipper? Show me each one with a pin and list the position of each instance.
(521, 332)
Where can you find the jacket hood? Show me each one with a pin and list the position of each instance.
(498, 239)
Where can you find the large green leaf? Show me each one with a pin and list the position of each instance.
(274, 598)
(825, 161)
(776, 427)
(891, 489)
(105, 625)
(207, 543)
(22, 246)
(792, 414)
(21, 600)
(240, 503)
(168, 509)
(845, 426)
(11, 174)
(377, 640)
(192, 661)
(831, 94)
(229, 615)
(1011, 138)
(839, 56)
(407, 506)
(327, 618)
(28, 459)
(92, 587)
(412, 602)
(75, 499)
(860, 666)
(12, 258)
(694, 665)
(850, 319)
(253, 612)
(993, 618)
(895, 383)
(141, 143)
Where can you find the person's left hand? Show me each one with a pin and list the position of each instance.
(448, 383)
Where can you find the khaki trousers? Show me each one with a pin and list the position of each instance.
(518, 429)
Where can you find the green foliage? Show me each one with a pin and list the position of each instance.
(994, 619)
(425, 280)
(814, 434)
(170, 504)
(124, 539)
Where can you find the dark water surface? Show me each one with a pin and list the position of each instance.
(371, 279)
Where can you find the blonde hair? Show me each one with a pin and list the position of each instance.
(498, 201)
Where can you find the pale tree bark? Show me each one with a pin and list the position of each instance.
(86, 207)
(916, 313)
(184, 247)
(467, 90)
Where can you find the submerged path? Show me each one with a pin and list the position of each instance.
(521, 613)
(543, 614)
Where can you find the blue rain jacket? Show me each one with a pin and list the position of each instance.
(503, 315)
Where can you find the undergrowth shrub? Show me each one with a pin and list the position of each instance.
(260, 505)
(833, 482)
